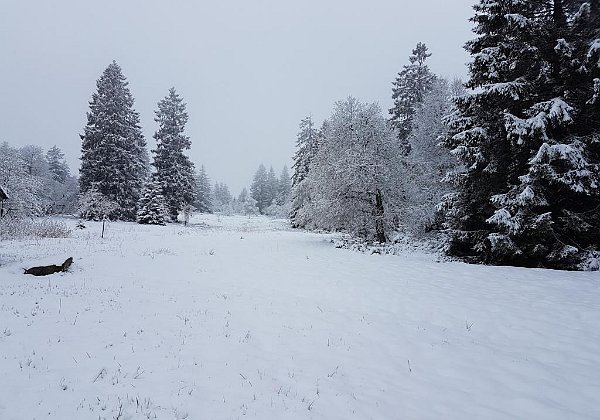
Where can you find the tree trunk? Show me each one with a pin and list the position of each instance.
(379, 213)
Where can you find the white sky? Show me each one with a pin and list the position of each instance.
(249, 70)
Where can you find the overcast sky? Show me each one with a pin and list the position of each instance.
(249, 70)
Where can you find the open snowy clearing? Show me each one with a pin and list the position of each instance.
(234, 317)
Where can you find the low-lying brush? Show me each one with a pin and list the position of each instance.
(11, 228)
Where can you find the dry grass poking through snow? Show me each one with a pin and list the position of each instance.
(245, 318)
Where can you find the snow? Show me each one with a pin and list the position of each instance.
(234, 317)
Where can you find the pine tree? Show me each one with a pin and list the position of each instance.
(152, 207)
(284, 187)
(174, 170)
(528, 137)
(409, 88)
(307, 146)
(259, 190)
(272, 187)
(113, 150)
(203, 195)
(57, 165)
(222, 198)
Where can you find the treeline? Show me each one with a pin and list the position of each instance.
(38, 183)
(508, 169)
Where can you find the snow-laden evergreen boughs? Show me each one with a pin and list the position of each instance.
(528, 137)
(307, 146)
(152, 209)
(409, 89)
(203, 195)
(113, 150)
(354, 179)
(174, 170)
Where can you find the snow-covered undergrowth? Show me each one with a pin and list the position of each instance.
(233, 317)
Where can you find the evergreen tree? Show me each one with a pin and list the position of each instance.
(259, 190)
(174, 170)
(529, 137)
(284, 187)
(408, 90)
(113, 150)
(307, 146)
(272, 186)
(152, 208)
(203, 195)
(57, 165)
(222, 198)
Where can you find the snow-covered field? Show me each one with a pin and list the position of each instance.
(244, 318)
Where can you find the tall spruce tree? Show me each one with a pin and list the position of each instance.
(529, 137)
(57, 165)
(174, 170)
(307, 146)
(259, 190)
(113, 151)
(203, 195)
(409, 88)
(284, 187)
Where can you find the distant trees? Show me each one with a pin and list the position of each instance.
(203, 193)
(272, 194)
(260, 190)
(113, 152)
(174, 170)
(33, 187)
(222, 198)
(428, 161)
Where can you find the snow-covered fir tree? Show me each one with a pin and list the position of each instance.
(260, 189)
(354, 181)
(57, 165)
(203, 194)
(113, 151)
(307, 145)
(529, 137)
(152, 208)
(174, 170)
(284, 187)
(409, 89)
(272, 186)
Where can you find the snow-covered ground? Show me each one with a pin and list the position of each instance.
(244, 318)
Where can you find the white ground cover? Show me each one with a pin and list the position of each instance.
(235, 318)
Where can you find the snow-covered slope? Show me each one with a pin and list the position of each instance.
(244, 318)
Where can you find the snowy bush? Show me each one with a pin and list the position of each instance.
(13, 228)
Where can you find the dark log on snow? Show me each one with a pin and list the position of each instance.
(50, 269)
